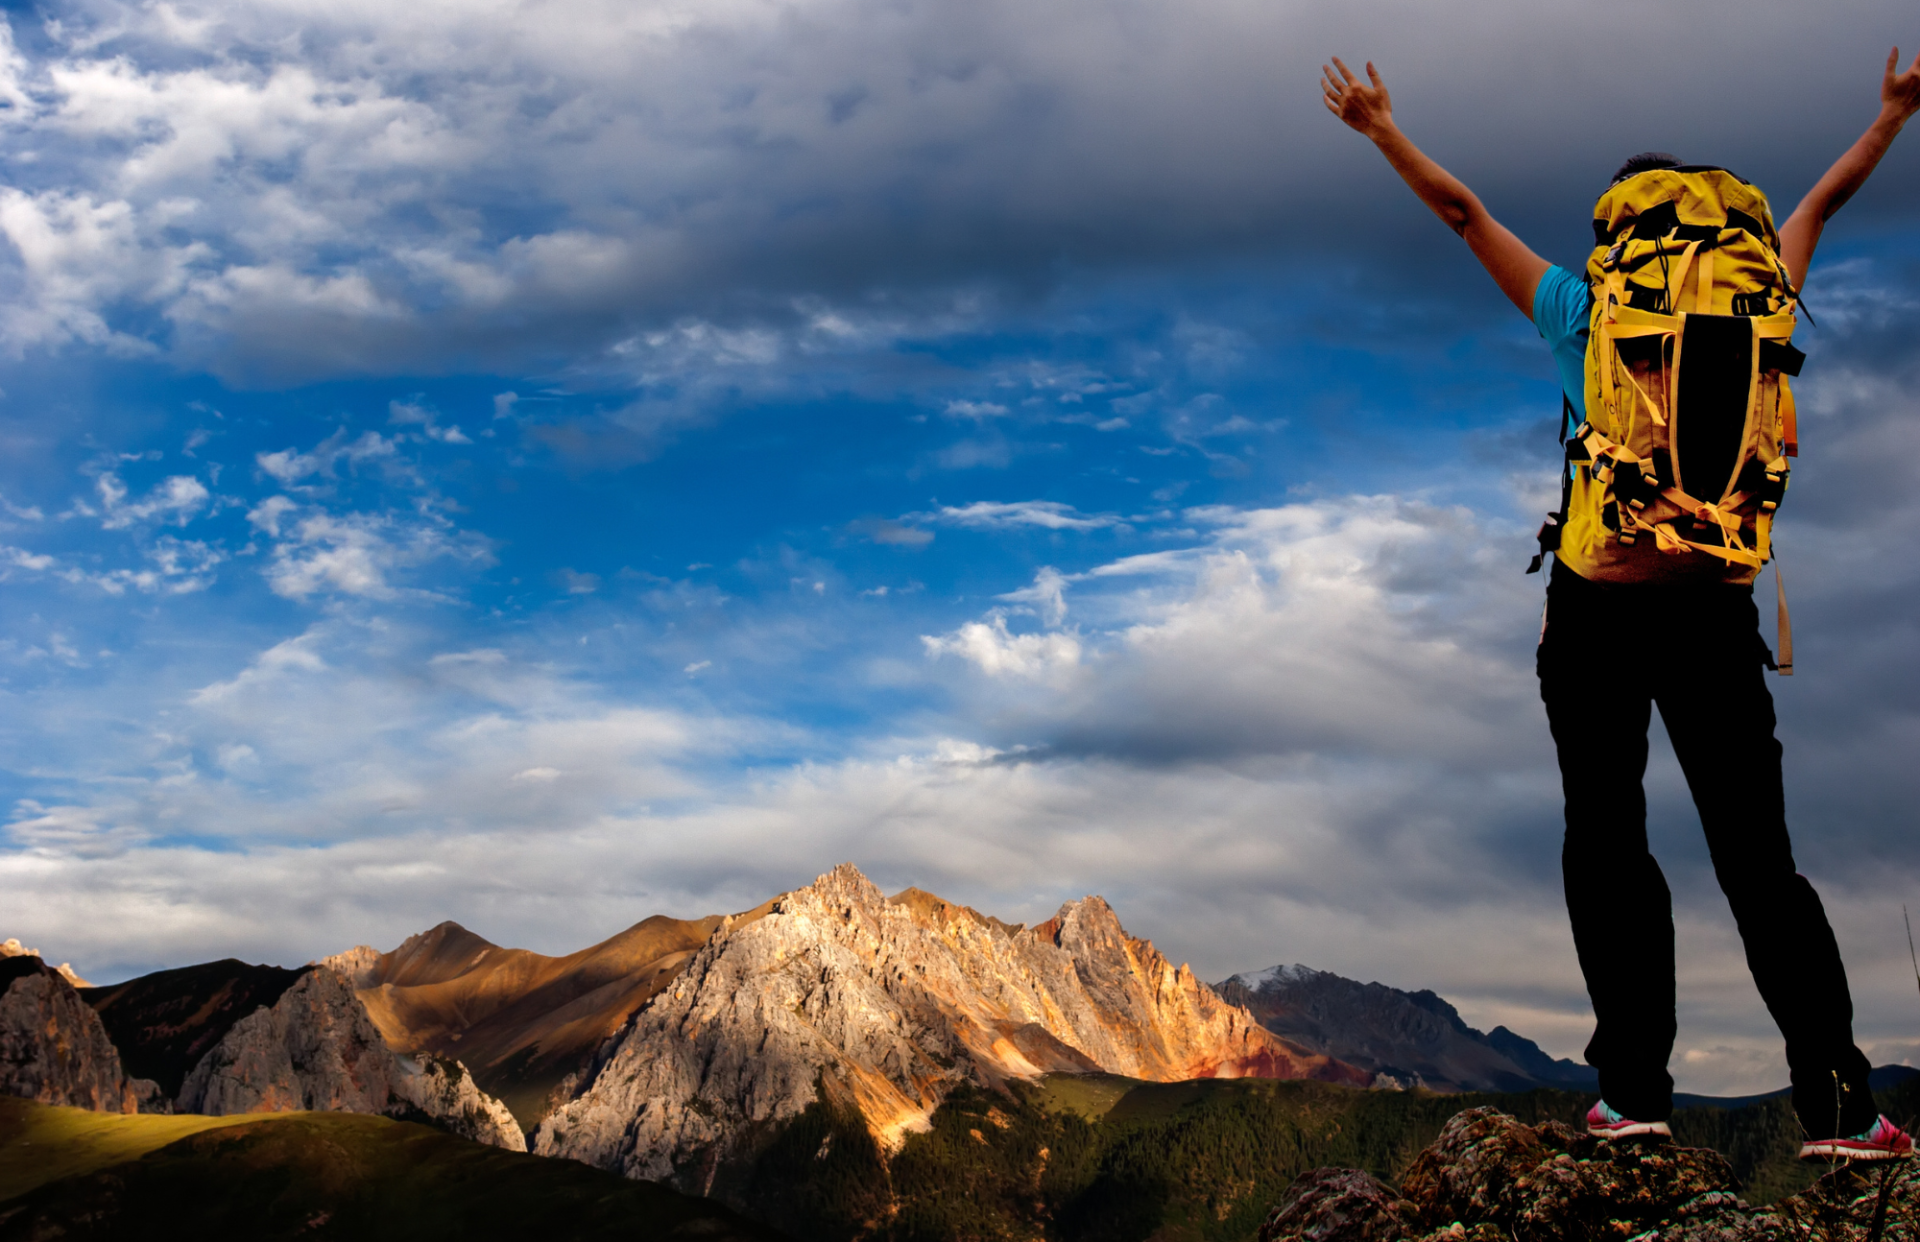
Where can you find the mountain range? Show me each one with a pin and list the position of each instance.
(1413, 1039)
(701, 1053)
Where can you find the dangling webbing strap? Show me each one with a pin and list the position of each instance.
(1666, 538)
(1784, 623)
(1556, 523)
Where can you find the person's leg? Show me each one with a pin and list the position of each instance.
(1617, 900)
(1720, 716)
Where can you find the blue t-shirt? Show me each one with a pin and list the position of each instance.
(1561, 306)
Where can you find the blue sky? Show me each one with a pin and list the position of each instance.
(548, 464)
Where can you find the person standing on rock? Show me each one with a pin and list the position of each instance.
(1688, 620)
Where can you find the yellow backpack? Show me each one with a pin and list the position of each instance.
(1677, 469)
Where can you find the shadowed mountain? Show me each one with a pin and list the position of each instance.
(1416, 1038)
(522, 1023)
(163, 1023)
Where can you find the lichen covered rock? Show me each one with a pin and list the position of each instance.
(1551, 1181)
(1490, 1177)
(1343, 1204)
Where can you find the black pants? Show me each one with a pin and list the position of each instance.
(1607, 653)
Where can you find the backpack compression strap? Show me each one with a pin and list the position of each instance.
(1613, 461)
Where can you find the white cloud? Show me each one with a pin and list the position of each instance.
(357, 554)
(20, 558)
(996, 652)
(80, 832)
(174, 567)
(265, 516)
(183, 565)
(178, 499)
(1047, 595)
(1340, 627)
(272, 666)
(410, 413)
(290, 466)
(26, 513)
(78, 257)
(577, 583)
(1005, 515)
(976, 410)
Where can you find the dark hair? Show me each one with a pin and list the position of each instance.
(1646, 161)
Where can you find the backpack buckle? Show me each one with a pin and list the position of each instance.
(1549, 538)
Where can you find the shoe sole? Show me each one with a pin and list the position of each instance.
(1830, 1151)
(1632, 1129)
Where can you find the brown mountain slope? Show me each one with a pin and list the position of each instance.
(522, 1022)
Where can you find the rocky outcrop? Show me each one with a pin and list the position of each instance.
(881, 1007)
(13, 948)
(358, 964)
(1490, 1178)
(165, 1022)
(1340, 1205)
(54, 1049)
(1415, 1039)
(316, 1048)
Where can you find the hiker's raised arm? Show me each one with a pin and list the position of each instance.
(1366, 107)
(1899, 100)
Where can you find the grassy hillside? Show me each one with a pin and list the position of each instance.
(1105, 1159)
(40, 1144)
(315, 1175)
(1091, 1158)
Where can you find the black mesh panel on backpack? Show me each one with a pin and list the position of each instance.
(1712, 392)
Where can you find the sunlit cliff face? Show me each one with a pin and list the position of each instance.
(887, 1005)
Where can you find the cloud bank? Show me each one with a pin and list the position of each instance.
(294, 189)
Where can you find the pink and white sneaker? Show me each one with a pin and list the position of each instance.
(1882, 1141)
(1603, 1122)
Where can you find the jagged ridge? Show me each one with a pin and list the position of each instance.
(882, 1007)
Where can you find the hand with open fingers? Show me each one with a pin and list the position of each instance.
(1367, 108)
(1900, 92)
